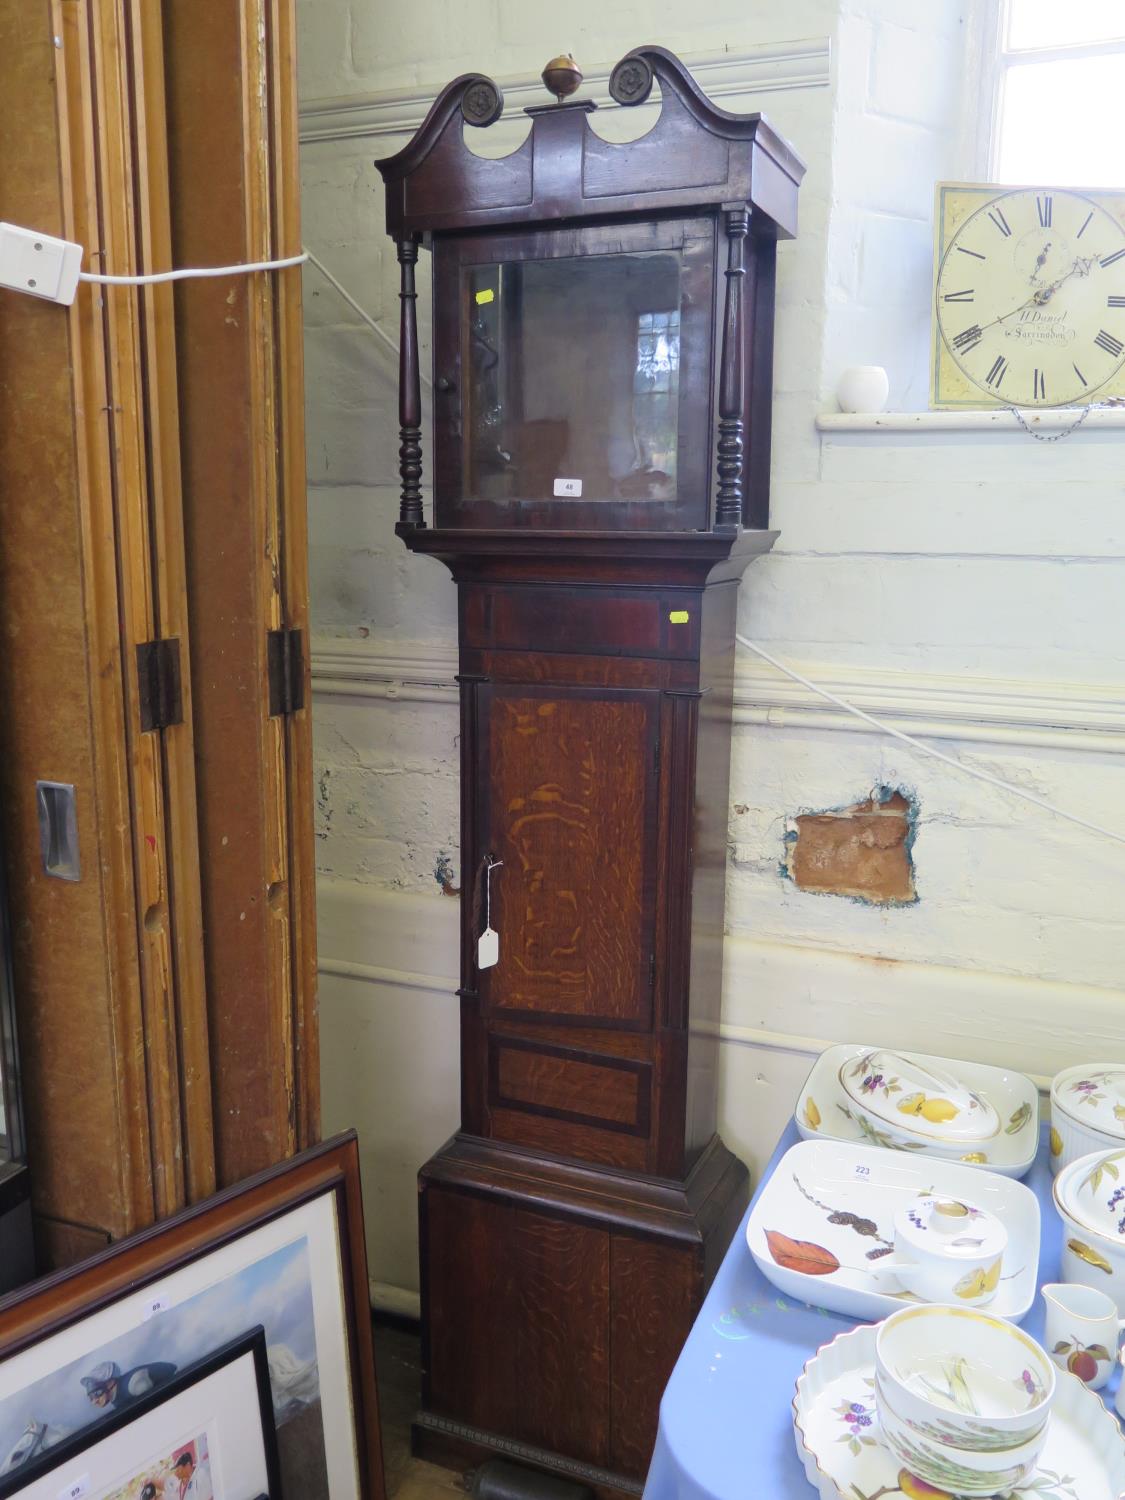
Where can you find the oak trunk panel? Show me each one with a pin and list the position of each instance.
(561, 1333)
(556, 1296)
(656, 1291)
(469, 1359)
(571, 813)
(571, 1086)
(589, 1143)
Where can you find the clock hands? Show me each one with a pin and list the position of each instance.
(1081, 267)
(1031, 302)
(1042, 295)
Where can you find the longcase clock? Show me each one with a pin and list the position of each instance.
(603, 343)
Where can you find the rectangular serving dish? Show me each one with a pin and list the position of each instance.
(824, 1109)
(860, 1187)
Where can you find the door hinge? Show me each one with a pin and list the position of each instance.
(158, 684)
(286, 665)
(652, 971)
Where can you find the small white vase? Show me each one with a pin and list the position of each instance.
(863, 388)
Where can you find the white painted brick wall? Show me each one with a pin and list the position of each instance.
(990, 556)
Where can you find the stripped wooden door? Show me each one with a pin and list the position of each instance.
(167, 997)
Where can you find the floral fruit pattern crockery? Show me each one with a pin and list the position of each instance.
(1106, 1175)
(1087, 1111)
(812, 1259)
(1097, 1090)
(847, 1460)
(1091, 1193)
(954, 1390)
(823, 1230)
(1081, 1359)
(953, 1478)
(894, 1086)
(858, 1418)
(1000, 1130)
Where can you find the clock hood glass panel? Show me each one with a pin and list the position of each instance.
(575, 390)
(573, 378)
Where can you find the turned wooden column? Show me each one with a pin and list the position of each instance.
(409, 391)
(728, 501)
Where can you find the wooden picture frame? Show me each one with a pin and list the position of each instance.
(285, 1249)
(197, 1427)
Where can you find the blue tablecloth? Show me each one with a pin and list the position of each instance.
(726, 1428)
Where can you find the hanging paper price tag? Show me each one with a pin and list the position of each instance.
(488, 944)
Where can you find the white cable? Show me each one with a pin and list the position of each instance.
(354, 305)
(850, 708)
(907, 739)
(158, 276)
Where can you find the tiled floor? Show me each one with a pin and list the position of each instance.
(399, 1369)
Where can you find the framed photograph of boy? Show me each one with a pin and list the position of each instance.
(206, 1433)
(283, 1251)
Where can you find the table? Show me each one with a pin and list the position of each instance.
(726, 1428)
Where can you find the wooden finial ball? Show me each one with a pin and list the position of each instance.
(562, 75)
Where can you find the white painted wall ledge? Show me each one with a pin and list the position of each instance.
(764, 69)
(1079, 716)
(999, 421)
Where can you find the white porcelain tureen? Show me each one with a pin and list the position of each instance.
(1087, 1111)
(1090, 1197)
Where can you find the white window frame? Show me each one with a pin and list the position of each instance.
(987, 68)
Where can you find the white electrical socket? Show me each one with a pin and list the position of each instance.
(39, 264)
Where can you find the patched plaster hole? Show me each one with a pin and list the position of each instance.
(863, 851)
(445, 874)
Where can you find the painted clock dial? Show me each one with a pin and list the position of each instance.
(1030, 298)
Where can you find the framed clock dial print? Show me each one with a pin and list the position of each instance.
(1029, 296)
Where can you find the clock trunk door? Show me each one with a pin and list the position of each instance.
(569, 804)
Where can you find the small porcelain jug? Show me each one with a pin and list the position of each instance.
(946, 1251)
(1083, 1331)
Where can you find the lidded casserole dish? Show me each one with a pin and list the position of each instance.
(1087, 1111)
(917, 1105)
(1089, 1195)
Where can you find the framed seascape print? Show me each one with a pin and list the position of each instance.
(283, 1251)
(206, 1433)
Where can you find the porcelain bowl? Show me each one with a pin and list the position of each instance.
(1087, 1111)
(955, 1470)
(916, 1106)
(1093, 1251)
(963, 1379)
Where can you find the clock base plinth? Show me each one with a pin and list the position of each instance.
(456, 1445)
(555, 1300)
